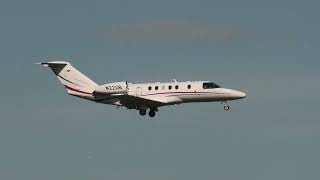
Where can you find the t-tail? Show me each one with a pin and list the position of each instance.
(76, 83)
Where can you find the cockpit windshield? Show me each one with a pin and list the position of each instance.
(210, 85)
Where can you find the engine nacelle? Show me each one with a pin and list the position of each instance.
(112, 88)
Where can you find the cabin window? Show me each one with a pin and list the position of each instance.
(149, 88)
(189, 86)
(177, 87)
(210, 85)
(156, 88)
(170, 87)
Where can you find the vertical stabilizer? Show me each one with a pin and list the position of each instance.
(75, 82)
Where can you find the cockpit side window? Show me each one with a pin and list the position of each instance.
(210, 85)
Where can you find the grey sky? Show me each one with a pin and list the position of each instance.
(269, 49)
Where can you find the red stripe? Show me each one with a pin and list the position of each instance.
(77, 90)
(176, 93)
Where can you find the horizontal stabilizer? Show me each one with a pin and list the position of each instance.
(47, 64)
(44, 64)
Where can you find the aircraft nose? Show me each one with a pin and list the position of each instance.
(240, 94)
(237, 94)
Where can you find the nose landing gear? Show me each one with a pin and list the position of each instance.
(226, 107)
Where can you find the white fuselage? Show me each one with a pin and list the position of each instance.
(179, 92)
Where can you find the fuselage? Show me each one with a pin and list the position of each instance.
(180, 92)
(185, 91)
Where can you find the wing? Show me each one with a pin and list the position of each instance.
(133, 102)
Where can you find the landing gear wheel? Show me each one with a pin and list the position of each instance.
(226, 107)
(152, 113)
(142, 112)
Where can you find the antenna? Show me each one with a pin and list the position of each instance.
(175, 80)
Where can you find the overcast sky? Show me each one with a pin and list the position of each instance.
(269, 49)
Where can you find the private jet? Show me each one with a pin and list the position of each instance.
(142, 96)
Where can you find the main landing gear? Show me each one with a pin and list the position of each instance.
(151, 113)
(142, 112)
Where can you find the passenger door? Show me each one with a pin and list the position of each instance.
(138, 91)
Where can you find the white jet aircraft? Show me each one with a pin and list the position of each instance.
(140, 96)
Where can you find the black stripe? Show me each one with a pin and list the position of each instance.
(68, 80)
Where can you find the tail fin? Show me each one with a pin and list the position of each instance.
(75, 82)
